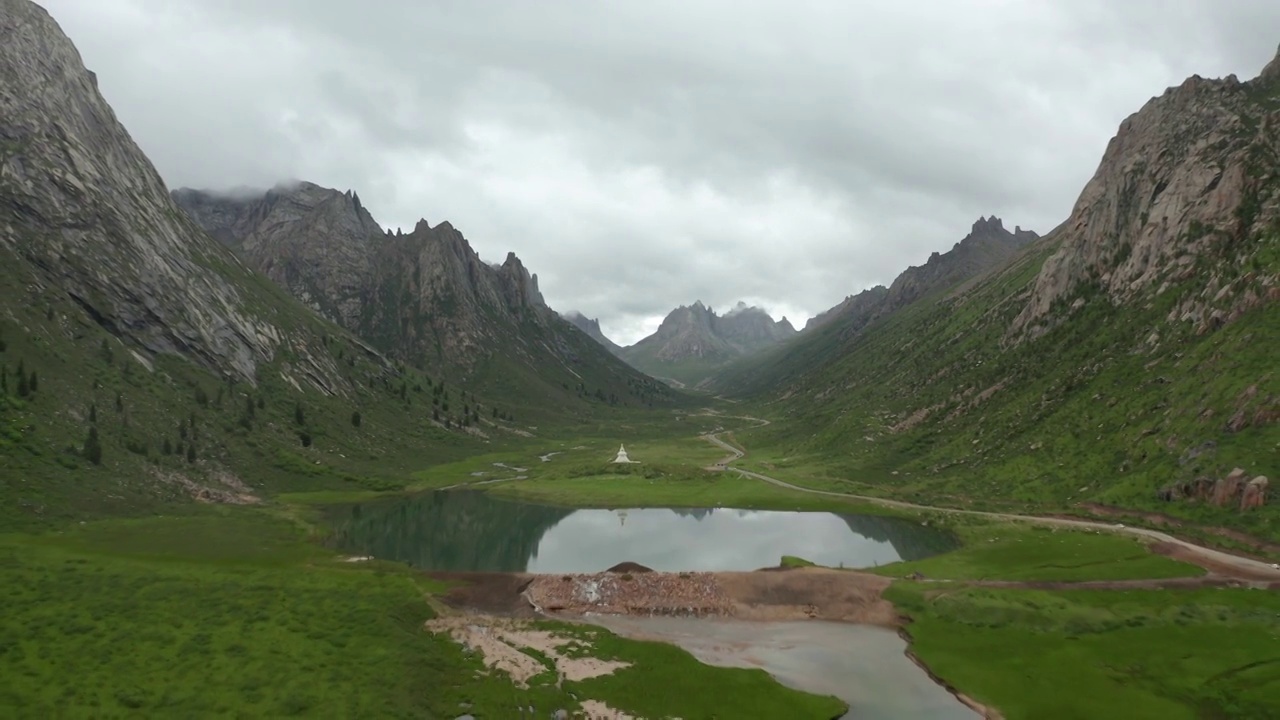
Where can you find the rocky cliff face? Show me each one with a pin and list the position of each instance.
(315, 242)
(853, 310)
(591, 326)
(84, 212)
(425, 297)
(430, 297)
(1181, 190)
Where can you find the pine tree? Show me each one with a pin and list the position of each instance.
(93, 448)
(355, 418)
(191, 453)
(305, 437)
(34, 383)
(248, 408)
(93, 412)
(119, 403)
(167, 448)
(261, 402)
(23, 390)
(298, 416)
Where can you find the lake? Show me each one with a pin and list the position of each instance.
(470, 531)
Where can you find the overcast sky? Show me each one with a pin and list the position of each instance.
(639, 155)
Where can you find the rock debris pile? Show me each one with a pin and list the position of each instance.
(644, 593)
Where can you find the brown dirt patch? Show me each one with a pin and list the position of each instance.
(492, 593)
(817, 593)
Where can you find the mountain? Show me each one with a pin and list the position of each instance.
(140, 361)
(591, 326)
(143, 362)
(423, 297)
(853, 306)
(693, 341)
(317, 243)
(1126, 359)
(988, 246)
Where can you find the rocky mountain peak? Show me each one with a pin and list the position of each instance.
(1182, 175)
(983, 226)
(524, 284)
(696, 332)
(591, 326)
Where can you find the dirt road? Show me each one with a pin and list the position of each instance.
(1215, 561)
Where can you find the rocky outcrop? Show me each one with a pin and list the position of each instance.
(1254, 494)
(591, 326)
(1235, 489)
(1184, 188)
(83, 211)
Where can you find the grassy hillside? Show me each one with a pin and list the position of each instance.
(935, 401)
(166, 430)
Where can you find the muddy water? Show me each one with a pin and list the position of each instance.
(467, 530)
(864, 666)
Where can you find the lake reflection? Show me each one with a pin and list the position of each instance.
(464, 530)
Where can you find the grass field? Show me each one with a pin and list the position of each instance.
(232, 612)
(1138, 655)
(1016, 551)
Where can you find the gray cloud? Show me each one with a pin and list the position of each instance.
(643, 155)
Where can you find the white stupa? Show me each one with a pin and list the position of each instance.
(622, 455)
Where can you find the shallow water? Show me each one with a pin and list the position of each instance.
(467, 531)
(863, 665)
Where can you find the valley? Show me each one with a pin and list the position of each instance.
(263, 456)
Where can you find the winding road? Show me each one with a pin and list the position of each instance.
(1216, 562)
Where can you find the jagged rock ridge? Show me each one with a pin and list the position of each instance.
(987, 246)
(425, 296)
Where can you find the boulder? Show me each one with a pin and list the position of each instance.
(1228, 489)
(1254, 494)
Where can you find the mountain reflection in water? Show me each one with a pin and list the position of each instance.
(473, 531)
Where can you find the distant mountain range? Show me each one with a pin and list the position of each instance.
(693, 341)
